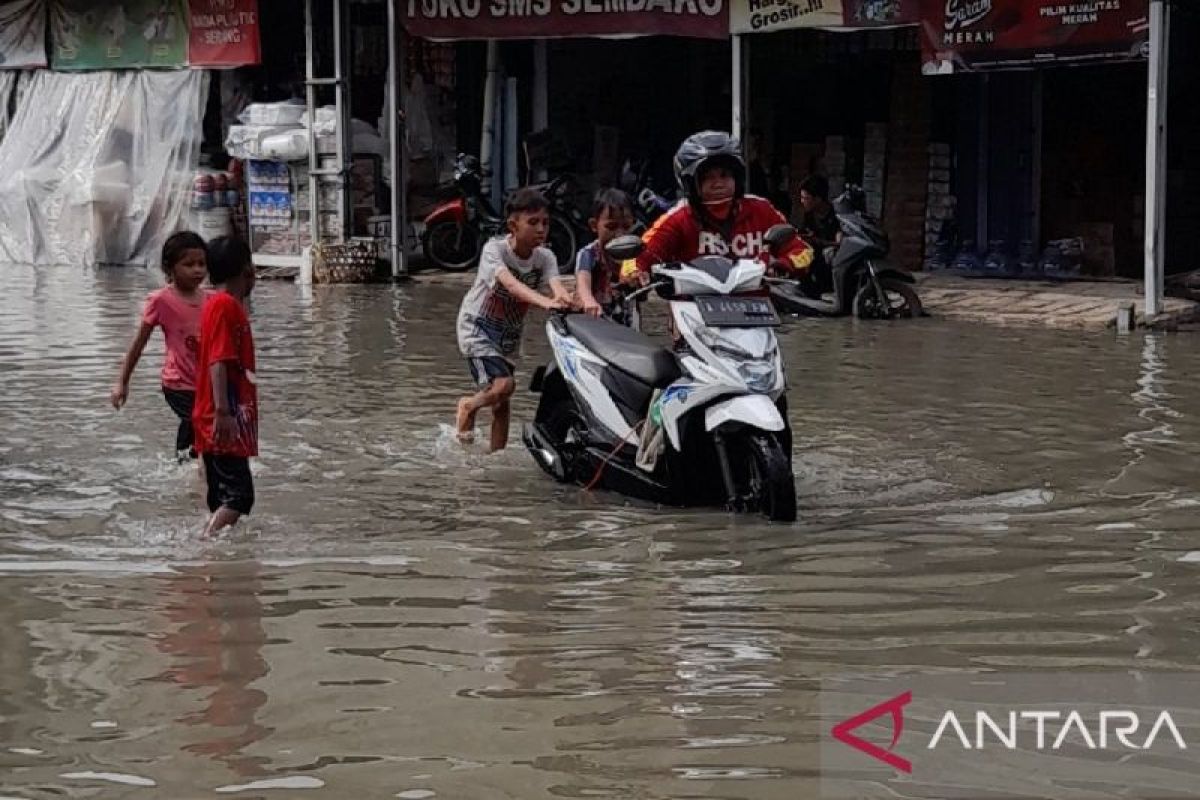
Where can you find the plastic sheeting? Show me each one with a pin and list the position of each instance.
(97, 167)
(8, 85)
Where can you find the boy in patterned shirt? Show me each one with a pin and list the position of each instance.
(492, 316)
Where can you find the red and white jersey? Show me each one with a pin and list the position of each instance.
(679, 235)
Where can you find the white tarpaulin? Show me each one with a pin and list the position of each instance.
(22, 34)
(97, 167)
(8, 84)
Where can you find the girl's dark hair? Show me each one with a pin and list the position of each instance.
(176, 245)
(816, 185)
(610, 200)
(228, 256)
(525, 201)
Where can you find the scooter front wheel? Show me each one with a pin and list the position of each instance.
(770, 484)
(452, 246)
(902, 301)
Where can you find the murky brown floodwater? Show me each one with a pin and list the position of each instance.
(401, 618)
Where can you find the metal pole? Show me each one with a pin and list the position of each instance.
(310, 94)
(345, 149)
(490, 91)
(984, 163)
(1035, 228)
(737, 88)
(1156, 156)
(396, 153)
(511, 174)
(541, 93)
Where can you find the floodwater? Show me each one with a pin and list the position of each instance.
(401, 618)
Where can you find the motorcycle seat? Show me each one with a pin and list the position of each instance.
(628, 350)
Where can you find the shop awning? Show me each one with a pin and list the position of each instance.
(557, 19)
(959, 35)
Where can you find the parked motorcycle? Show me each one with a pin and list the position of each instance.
(648, 205)
(862, 283)
(456, 231)
(721, 437)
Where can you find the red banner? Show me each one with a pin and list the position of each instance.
(977, 34)
(880, 13)
(223, 33)
(531, 19)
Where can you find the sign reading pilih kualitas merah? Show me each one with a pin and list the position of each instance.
(118, 34)
(960, 35)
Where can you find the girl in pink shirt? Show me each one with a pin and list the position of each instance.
(176, 309)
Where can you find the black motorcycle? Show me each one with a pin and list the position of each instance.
(648, 205)
(456, 231)
(862, 283)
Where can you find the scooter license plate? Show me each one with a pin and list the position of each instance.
(737, 312)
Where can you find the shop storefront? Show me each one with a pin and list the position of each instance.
(103, 106)
(584, 86)
(1048, 119)
(834, 89)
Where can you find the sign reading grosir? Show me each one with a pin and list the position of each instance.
(764, 16)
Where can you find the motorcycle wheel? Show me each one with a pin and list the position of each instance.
(770, 484)
(902, 301)
(452, 247)
(562, 242)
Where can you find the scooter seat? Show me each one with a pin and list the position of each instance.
(628, 350)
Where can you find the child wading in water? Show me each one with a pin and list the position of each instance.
(492, 315)
(176, 309)
(595, 272)
(226, 413)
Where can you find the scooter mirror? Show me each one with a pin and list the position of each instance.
(624, 248)
(779, 236)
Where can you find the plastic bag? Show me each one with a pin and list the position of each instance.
(287, 114)
(246, 141)
(290, 146)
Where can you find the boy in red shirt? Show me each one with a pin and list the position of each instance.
(226, 412)
(716, 216)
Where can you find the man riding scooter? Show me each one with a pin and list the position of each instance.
(716, 217)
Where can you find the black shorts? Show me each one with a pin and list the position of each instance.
(181, 402)
(485, 369)
(229, 482)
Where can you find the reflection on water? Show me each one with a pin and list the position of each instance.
(403, 618)
(215, 638)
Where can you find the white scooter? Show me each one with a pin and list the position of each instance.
(704, 426)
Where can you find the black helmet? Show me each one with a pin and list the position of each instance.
(708, 149)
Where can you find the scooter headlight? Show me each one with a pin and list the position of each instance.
(721, 345)
(752, 358)
(759, 376)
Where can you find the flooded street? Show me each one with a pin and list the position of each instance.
(403, 618)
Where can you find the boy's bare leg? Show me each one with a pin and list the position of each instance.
(223, 517)
(499, 390)
(501, 414)
(464, 418)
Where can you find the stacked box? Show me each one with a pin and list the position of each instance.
(907, 169)
(834, 164)
(941, 202)
(875, 167)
